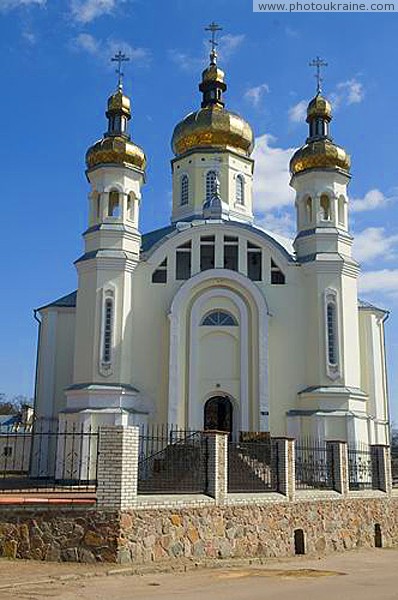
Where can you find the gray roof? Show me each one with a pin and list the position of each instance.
(68, 301)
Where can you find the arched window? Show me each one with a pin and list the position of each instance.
(98, 206)
(341, 210)
(108, 326)
(325, 207)
(308, 210)
(219, 318)
(240, 189)
(211, 177)
(184, 190)
(331, 316)
(113, 204)
(130, 206)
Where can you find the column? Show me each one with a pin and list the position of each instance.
(286, 466)
(117, 471)
(337, 451)
(217, 466)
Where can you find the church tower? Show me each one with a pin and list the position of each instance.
(116, 173)
(320, 173)
(212, 170)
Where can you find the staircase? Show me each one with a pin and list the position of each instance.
(250, 469)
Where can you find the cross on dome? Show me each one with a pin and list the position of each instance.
(214, 28)
(120, 58)
(318, 63)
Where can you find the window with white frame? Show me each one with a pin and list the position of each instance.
(160, 274)
(107, 332)
(331, 331)
(211, 178)
(184, 190)
(240, 190)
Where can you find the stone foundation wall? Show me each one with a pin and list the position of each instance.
(147, 535)
(59, 535)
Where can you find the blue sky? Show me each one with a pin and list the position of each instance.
(56, 77)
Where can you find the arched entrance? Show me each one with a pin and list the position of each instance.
(218, 414)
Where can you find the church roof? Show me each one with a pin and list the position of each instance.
(367, 305)
(68, 301)
(153, 239)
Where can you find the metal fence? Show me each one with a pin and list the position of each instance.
(362, 468)
(253, 463)
(394, 465)
(48, 456)
(172, 460)
(314, 465)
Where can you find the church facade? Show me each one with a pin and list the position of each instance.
(213, 322)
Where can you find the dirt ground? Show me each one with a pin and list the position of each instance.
(357, 575)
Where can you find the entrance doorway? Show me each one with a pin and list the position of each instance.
(218, 414)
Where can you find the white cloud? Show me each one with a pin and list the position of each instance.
(104, 49)
(384, 282)
(6, 5)
(352, 90)
(372, 200)
(228, 44)
(298, 112)
(29, 37)
(271, 183)
(185, 61)
(85, 11)
(373, 243)
(280, 222)
(255, 94)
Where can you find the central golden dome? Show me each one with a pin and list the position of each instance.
(213, 126)
(319, 151)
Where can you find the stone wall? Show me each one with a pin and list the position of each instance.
(59, 535)
(146, 535)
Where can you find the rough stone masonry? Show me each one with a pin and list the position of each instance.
(142, 536)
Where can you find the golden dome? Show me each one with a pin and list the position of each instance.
(319, 107)
(319, 154)
(119, 102)
(115, 150)
(213, 73)
(116, 146)
(213, 127)
(319, 151)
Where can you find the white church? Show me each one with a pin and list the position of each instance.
(213, 322)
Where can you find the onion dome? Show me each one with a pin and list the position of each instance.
(213, 126)
(319, 151)
(116, 147)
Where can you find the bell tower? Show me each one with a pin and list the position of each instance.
(320, 174)
(116, 173)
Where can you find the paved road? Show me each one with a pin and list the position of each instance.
(360, 575)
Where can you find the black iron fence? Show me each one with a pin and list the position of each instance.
(253, 463)
(314, 465)
(394, 464)
(47, 455)
(362, 468)
(172, 460)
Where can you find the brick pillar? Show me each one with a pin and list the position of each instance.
(217, 465)
(381, 461)
(338, 452)
(285, 449)
(117, 473)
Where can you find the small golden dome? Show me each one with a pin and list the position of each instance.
(213, 127)
(213, 73)
(320, 154)
(116, 146)
(118, 102)
(115, 150)
(319, 107)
